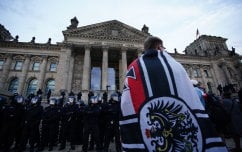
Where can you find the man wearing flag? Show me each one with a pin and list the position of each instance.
(160, 111)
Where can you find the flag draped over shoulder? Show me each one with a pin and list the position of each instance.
(160, 109)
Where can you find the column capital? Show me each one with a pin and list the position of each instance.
(105, 47)
(88, 46)
(27, 56)
(123, 48)
(9, 55)
(44, 56)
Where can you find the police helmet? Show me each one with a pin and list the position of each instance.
(114, 97)
(19, 99)
(53, 101)
(94, 99)
(71, 99)
(35, 99)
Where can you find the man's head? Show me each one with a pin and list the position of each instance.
(153, 42)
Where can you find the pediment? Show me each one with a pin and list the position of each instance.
(110, 30)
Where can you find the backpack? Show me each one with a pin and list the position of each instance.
(217, 114)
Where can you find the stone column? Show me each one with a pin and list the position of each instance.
(223, 66)
(124, 64)
(24, 74)
(105, 68)
(70, 75)
(86, 70)
(203, 78)
(216, 78)
(5, 72)
(67, 68)
(42, 72)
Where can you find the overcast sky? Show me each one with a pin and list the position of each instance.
(174, 21)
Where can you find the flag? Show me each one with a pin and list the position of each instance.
(161, 111)
(197, 34)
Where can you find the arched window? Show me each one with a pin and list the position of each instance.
(50, 85)
(13, 85)
(32, 86)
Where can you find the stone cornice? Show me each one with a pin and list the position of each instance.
(11, 44)
(105, 38)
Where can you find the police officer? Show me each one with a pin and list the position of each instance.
(69, 115)
(80, 122)
(3, 102)
(31, 124)
(9, 125)
(103, 106)
(91, 115)
(20, 111)
(50, 125)
(112, 127)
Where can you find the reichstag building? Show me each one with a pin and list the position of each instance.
(95, 57)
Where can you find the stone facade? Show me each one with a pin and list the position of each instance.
(105, 45)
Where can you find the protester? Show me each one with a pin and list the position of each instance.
(199, 91)
(160, 108)
(234, 127)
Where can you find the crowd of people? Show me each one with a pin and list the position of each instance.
(225, 111)
(30, 123)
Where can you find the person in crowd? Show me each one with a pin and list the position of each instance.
(240, 98)
(31, 124)
(234, 127)
(112, 126)
(91, 115)
(160, 110)
(199, 91)
(48, 95)
(20, 111)
(12, 115)
(79, 96)
(80, 122)
(90, 94)
(105, 97)
(103, 106)
(220, 89)
(50, 125)
(69, 115)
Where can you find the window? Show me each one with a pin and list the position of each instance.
(206, 72)
(96, 78)
(1, 64)
(18, 65)
(13, 86)
(196, 73)
(53, 67)
(50, 85)
(32, 86)
(36, 66)
(111, 78)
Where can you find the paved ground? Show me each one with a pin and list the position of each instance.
(229, 143)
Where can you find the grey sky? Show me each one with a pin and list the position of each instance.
(174, 21)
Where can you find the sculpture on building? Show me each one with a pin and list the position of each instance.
(33, 40)
(49, 41)
(74, 23)
(16, 38)
(145, 29)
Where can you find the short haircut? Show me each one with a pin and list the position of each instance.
(151, 42)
